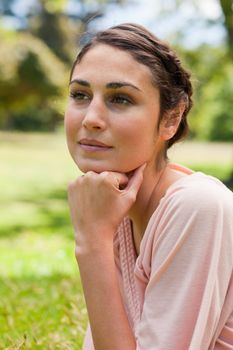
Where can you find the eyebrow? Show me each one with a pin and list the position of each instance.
(112, 85)
(80, 82)
(120, 84)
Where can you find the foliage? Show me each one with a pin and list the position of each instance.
(57, 26)
(227, 9)
(224, 19)
(211, 118)
(32, 80)
(55, 29)
(35, 60)
(34, 65)
(212, 67)
(218, 97)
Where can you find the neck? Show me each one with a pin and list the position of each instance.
(153, 188)
(147, 197)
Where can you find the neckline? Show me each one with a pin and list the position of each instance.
(189, 173)
(180, 168)
(174, 184)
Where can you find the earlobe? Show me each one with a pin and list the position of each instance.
(169, 126)
(170, 122)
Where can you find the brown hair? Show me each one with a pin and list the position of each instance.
(172, 80)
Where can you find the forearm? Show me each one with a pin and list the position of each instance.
(97, 208)
(108, 319)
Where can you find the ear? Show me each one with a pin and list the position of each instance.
(170, 122)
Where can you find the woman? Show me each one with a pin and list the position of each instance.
(154, 241)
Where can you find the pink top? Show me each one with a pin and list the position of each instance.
(178, 293)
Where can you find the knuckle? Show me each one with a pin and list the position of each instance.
(73, 184)
(89, 175)
(104, 176)
(132, 196)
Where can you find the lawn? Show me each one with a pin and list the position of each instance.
(42, 305)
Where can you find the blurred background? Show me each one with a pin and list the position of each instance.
(41, 304)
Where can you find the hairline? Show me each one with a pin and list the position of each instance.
(94, 43)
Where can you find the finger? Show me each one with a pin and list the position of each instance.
(120, 180)
(136, 180)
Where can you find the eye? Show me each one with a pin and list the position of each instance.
(79, 96)
(121, 100)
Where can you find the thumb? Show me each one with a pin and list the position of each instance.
(136, 180)
(119, 180)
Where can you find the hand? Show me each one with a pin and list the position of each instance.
(98, 205)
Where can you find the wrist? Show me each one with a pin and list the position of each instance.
(86, 249)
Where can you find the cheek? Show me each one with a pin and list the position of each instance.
(139, 142)
(138, 134)
(72, 124)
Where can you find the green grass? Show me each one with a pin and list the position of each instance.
(41, 304)
(42, 312)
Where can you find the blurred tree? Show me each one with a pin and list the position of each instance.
(60, 26)
(35, 60)
(227, 9)
(32, 81)
(53, 23)
(6, 7)
(211, 117)
(49, 23)
(215, 14)
(217, 106)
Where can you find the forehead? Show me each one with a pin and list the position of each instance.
(109, 63)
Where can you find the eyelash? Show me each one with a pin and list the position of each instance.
(119, 99)
(78, 95)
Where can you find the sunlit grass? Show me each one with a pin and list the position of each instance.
(42, 312)
(41, 304)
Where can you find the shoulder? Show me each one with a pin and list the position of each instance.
(199, 192)
(197, 209)
(195, 212)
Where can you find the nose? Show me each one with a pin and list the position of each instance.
(95, 116)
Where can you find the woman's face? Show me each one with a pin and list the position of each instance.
(112, 114)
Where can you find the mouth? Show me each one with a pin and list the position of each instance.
(93, 145)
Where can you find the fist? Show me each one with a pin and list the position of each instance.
(99, 202)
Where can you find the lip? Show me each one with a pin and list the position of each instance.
(93, 145)
(92, 142)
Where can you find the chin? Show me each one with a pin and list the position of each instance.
(97, 168)
(100, 167)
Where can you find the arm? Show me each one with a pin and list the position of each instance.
(109, 324)
(97, 208)
(191, 266)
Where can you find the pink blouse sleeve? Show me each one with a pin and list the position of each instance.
(190, 269)
(88, 343)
